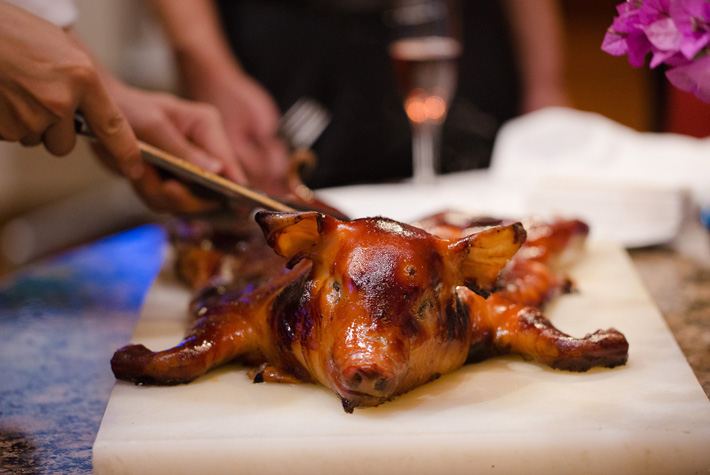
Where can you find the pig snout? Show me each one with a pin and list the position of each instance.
(368, 379)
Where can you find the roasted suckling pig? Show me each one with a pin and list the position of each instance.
(372, 308)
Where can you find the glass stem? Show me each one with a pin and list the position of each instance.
(425, 150)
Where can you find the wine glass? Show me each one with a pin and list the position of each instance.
(425, 51)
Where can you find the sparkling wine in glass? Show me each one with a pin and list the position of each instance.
(425, 61)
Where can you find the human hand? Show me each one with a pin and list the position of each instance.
(250, 118)
(189, 130)
(45, 77)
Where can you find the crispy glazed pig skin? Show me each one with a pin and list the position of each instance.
(374, 315)
(372, 308)
(511, 319)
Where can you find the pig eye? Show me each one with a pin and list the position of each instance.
(410, 270)
(334, 294)
(425, 306)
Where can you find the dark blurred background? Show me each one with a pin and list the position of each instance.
(127, 39)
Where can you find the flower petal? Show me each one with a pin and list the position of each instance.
(692, 46)
(677, 60)
(614, 44)
(660, 57)
(638, 48)
(693, 77)
(664, 35)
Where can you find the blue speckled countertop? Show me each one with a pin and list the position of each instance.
(62, 319)
(60, 322)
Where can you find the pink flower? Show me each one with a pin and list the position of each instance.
(675, 32)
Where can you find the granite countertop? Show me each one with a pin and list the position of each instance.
(60, 322)
(681, 289)
(62, 319)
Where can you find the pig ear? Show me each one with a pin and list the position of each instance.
(484, 254)
(291, 235)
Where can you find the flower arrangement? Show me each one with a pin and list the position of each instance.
(675, 32)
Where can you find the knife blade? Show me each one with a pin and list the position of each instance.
(196, 174)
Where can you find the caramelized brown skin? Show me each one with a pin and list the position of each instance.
(511, 320)
(375, 314)
(221, 333)
(372, 308)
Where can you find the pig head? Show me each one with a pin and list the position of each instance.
(378, 312)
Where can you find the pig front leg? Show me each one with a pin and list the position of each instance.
(220, 334)
(499, 326)
(216, 338)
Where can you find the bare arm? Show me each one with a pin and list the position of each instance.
(537, 35)
(193, 29)
(212, 74)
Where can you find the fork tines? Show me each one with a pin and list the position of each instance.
(303, 123)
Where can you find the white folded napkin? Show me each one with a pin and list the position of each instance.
(570, 144)
(633, 188)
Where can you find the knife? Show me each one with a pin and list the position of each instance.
(194, 173)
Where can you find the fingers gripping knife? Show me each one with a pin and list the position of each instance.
(26, 238)
(193, 173)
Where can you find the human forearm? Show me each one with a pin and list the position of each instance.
(210, 73)
(194, 32)
(537, 36)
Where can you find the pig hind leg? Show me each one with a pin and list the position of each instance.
(525, 331)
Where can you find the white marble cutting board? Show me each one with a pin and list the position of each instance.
(504, 415)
